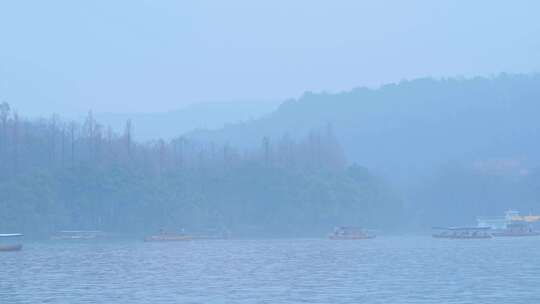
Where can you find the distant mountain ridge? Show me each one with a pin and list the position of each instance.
(453, 148)
(412, 125)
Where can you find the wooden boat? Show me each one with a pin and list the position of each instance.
(10, 246)
(350, 233)
(17, 247)
(462, 233)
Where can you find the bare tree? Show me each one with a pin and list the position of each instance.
(127, 135)
(63, 145)
(15, 142)
(72, 127)
(266, 150)
(178, 151)
(52, 139)
(4, 115)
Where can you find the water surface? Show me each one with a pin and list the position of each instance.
(383, 270)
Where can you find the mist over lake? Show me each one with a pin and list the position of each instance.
(269, 152)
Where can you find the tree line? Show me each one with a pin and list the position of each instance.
(56, 144)
(62, 175)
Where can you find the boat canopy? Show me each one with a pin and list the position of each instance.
(11, 234)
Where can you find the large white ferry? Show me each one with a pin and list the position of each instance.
(512, 224)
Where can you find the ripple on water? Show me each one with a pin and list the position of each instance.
(383, 270)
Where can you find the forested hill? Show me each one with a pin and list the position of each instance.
(58, 175)
(454, 148)
(413, 125)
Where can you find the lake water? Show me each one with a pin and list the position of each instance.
(383, 270)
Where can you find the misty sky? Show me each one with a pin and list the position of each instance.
(148, 56)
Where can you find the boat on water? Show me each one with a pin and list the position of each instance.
(516, 229)
(464, 233)
(351, 233)
(77, 235)
(512, 224)
(8, 242)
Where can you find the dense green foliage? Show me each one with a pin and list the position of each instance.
(58, 176)
(248, 200)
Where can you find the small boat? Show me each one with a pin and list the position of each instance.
(463, 233)
(17, 247)
(163, 236)
(350, 233)
(10, 246)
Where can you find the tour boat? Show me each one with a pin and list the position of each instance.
(512, 224)
(8, 245)
(516, 229)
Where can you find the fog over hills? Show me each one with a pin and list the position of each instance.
(402, 157)
(167, 125)
(456, 147)
(412, 125)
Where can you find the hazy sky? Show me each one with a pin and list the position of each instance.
(136, 56)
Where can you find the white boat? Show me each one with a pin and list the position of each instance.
(10, 244)
(512, 224)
